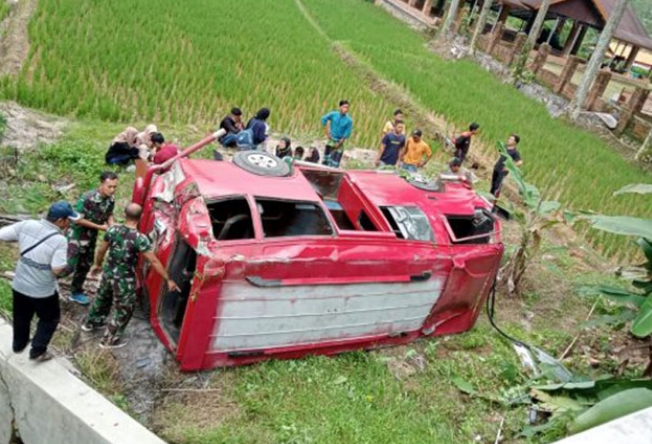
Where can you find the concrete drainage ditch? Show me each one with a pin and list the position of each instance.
(49, 404)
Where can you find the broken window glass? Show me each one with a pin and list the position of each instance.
(476, 229)
(409, 223)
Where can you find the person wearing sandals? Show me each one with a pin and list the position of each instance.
(124, 244)
(43, 247)
(96, 207)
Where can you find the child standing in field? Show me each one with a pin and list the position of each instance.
(338, 126)
(463, 141)
(417, 153)
(500, 171)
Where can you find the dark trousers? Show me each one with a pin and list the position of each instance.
(121, 154)
(460, 154)
(496, 182)
(332, 156)
(48, 313)
(80, 259)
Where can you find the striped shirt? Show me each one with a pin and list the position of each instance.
(34, 275)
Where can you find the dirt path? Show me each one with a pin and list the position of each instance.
(26, 128)
(14, 45)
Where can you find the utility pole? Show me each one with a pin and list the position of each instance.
(450, 17)
(536, 27)
(479, 27)
(593, 66)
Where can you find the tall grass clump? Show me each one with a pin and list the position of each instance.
(4, 11)
(187, 62)
(579, 168)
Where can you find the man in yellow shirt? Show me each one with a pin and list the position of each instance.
(416, 154)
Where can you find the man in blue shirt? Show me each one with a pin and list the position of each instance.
(393, 145)
(338, 126)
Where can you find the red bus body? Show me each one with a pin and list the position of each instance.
(320, 262)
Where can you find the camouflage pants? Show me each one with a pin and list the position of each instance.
(80, 260)
(119, 293)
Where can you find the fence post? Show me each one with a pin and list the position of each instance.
(540, 59)
(597, 90)
(518, 48)
(495, 38)
(633, 106)
(567, 74)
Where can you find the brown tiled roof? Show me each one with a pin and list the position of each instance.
(629, 30)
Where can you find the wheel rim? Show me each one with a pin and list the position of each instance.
(262, 161)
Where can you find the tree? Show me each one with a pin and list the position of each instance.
(482, 20)
(592, 68)
(536, 27)
(450, 17)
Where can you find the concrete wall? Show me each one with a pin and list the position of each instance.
(50, 405)
(631, 429)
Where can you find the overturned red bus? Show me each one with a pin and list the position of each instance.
(281, 263)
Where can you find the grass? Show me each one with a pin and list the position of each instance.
(383, 397)
(187, 62)
(403, 394)
(396, 395)
(197, 61)
(4, 10)
(573, 165)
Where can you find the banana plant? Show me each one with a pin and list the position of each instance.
(640, 292)
(534, 217)
(637, 298)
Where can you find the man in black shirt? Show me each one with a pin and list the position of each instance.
(463, 142)
(233, 125)
(500, 171)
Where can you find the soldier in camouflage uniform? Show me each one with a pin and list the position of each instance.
(124, 244)
(96, 207)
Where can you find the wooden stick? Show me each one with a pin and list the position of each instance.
(577, 336)
(190, 390)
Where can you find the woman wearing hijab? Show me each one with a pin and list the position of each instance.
(284, 147)
(123, 148)
(144, 141)
(259, 128)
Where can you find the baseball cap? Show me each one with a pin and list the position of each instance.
(417, 132)
(61, 209)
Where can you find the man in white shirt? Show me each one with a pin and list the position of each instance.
(43, 258)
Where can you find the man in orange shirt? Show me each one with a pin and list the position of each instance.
(416, 154)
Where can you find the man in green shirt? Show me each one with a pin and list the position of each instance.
(96, 208)
(124, 244)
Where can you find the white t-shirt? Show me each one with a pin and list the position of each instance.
(34, 275)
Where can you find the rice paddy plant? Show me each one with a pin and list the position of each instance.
(188, 62)
(4, 10)
(553, 151)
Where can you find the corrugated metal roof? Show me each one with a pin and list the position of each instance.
(629, 30)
